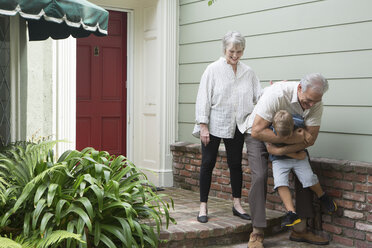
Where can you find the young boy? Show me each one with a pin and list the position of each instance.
(283, 125)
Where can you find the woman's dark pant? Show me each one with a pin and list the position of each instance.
(234, 148)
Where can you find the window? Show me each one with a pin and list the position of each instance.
(4, 81)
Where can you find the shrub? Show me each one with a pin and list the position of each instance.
(103, 198)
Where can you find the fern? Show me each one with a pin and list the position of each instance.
(8, 243)
(57, 237)
(32, 185)
(54, 238)
(3, 187)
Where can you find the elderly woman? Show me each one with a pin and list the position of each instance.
(227, 93)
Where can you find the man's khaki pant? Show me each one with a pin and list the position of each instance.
(258, 162)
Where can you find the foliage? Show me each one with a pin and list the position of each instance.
(210, 2)
(101, 198)
(55, 238)
(8, 243)
(3, 186)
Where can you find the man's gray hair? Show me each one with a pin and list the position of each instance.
(315, 81)
(233, 37)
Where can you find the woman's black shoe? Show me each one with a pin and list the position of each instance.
(243, 216)
(202, 219)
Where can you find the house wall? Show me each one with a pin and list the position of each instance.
(152, 80)
(151, 84)
(40, 90)
(152, 68)
(285, 41)
(143, 88)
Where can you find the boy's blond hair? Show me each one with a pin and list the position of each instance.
(283, 123)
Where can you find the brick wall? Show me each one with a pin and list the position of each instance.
(349, 183)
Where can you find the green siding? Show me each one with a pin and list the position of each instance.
(188, 113)
(352, 64)
(349, 92)
(188, 93)
(342, 92)
(341, 119)
(286, 40)
(183, 2)
(334, 118)
(200, 11)
(343, 146)
(185, 135)
(306, 16)
(353, 37)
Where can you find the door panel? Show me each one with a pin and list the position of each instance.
(83, 73)
(110, 127)
(84, 124)
(101, 91)
(111, 74)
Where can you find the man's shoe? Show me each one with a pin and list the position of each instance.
(308, 237)
(328, 203)
(290, 219)
(243, 216)
(256, 240)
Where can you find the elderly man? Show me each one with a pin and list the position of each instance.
(302, 98)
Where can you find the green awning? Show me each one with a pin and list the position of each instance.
(58, 18)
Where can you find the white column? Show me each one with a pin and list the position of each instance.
(15, 61)
(65, 97)
(169, 88)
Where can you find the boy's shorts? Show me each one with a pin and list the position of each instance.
(301, 168)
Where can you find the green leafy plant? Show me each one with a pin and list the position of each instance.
(55, 238)
(8, 243)
(102, 198)
(210, 2)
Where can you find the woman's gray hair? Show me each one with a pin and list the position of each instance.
(233, 37)
(315, 81)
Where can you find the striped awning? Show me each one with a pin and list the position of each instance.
(58, 18)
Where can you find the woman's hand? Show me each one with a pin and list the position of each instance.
(204, 134)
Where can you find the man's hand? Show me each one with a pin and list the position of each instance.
(204, 134)
(302, 135)
(297, 137)
(308, 137)
(274, 150)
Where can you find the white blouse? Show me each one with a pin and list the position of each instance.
(226, 99)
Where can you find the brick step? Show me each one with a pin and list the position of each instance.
(280, 240)
(222, 227)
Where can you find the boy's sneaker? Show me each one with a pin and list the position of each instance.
(328, 203)
(290, 219)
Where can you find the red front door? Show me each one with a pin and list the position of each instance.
(101, 90)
